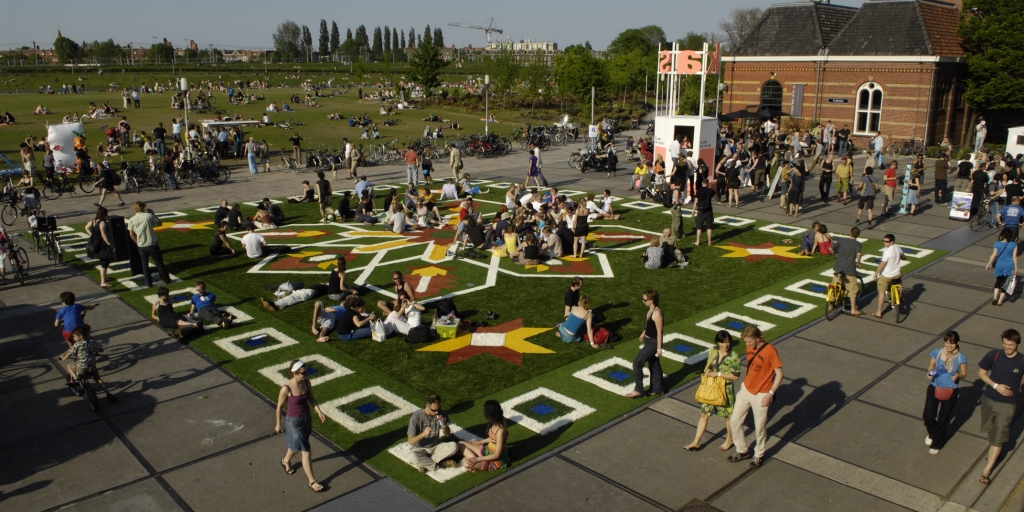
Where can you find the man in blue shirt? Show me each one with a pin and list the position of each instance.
(363, 184)
(1010, 216)
(204, 306)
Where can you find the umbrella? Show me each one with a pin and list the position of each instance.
(742, 114)
(771, 112)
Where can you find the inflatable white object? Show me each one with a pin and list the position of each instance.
(61, 138)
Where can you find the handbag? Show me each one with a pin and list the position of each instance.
(712, 389)
(377, 331)
(1010, 285)
(943, 393)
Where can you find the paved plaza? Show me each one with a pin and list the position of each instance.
(845, 429)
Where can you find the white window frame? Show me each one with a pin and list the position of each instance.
(873, 89)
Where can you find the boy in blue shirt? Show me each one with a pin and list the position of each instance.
(204, 306)
(1010, 216)
(72, 316)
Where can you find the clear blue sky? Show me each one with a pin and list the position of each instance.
(228, 24)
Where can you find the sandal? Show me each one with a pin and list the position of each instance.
(985, 479)
(316, 487)
(634, 394)
(288, 469)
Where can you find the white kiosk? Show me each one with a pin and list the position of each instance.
(700, 131)
(1015, 141)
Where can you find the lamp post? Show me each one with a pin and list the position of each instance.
(487, 105)
(188, 106)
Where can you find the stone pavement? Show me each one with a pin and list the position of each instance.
(845, 429)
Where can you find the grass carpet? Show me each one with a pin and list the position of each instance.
(559, 391)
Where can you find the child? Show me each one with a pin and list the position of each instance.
(807, 241)
(163, 312)
(428, 167)
(822, 241)
(72, 316)
(83, 352)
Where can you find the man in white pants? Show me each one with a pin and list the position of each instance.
(764, 376)
(426, 428)
(981, 131)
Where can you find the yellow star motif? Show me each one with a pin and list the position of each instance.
(754, 253)
(515, 345)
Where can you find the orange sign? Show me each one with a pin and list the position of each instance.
(689, 62)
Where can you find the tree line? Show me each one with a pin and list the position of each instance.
(292, 42)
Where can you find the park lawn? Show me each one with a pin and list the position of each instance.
(565, 392)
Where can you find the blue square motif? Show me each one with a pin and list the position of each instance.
(782, 306)
(817, 288)
(619, 375)
(368, 408)
(543, 409)
(682, 349)
(735, 324)
(255, 342)
(311, 371)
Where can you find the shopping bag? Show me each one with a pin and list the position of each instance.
(378, 332)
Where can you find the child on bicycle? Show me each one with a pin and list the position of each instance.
(83, 353)
(72, 316)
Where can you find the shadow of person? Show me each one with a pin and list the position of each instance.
(911, 294)
(815, 408)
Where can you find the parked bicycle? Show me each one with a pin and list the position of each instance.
(18, 258)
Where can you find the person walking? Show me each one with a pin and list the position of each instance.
(653, 338)
(140, 228)
(1001, 370)
(455, 160)
(724, 363)
(1004, 261)
(251, 150)
(297, 394)
(324, 195)
(540, 164)
(825, 181)
(867, 189)
(99, 231)
(947, 368)
(764, 376)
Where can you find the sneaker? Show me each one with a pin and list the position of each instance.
(934, 451)
(928, 440)
(736, 457)
(756, 463)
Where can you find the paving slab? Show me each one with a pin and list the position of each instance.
(963, 272)
(45, 474)
(984, 331)
(45, 285)
(979, 253)
(110, 314)
(878, 339)
(144, 496)
(257, 481)
(49, 407)
(820, 364)
(644, 454)
(553, 485)
(892, 444)
(1006, 314)
(25, 366)
(194, 426)
(953, 297)
(923, 317)
(761, 491)
(905, 391)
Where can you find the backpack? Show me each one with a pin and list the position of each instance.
(418, 334)
(446, 307)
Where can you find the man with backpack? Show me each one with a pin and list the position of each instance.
(106, 183)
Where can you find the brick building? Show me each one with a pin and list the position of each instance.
(895, 66)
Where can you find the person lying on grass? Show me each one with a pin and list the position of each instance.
(163, 313)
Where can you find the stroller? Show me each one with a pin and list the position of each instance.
(658, 191)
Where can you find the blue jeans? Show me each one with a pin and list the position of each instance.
(879, 157)
(160, 147)
(993, 213)
(253, 168)
(358, 334)
(413, 174)
(172, 181)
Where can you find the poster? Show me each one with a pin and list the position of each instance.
(61, 138)
(961, 206)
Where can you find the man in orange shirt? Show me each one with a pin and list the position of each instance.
(764, 376)
(413, 160)
(890, 187)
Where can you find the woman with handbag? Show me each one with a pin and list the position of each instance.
(947, 368)
(716, 387)
(1004, 259)
(100, 245)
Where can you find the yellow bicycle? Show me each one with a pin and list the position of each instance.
(895, 299)
(835, 299)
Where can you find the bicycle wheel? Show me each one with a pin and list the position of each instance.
(76, 389)
(833, 308)
(131, 185)
(23, 259)
(979, 222)
(90, 397)
(16, 266)
(50, 192)
(221, 176)
(87, 184)
(9, 215)
(896, 297)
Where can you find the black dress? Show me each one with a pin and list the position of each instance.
(582, 227)
(168, 318)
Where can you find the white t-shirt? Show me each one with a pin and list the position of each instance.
(253, 243)
(673, 149)
(879, 144)
(413, 316)
(398, 222)
(891, 257)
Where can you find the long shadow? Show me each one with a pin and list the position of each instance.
(722, 235)
(967, 403)
(179, 248)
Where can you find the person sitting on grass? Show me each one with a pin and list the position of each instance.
(204, 307)
(253, 242)
(275, 211)
(467, 187)
(83, 353)
(306, 196)
(365, 212)
(262, 219)
(807, 240)
(401, 286)
(552, 246)
(397, 220)
(425, 216)
(235, 218)
(72, 316)
(491, 455)
(408, 315)
(424, 436)
(579, 317)
(354, 323)
(528, 252)
(221, 247)
(822, 241)
(324, 320)
(599, 212)
(163, 313)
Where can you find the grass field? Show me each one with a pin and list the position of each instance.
(552, 391)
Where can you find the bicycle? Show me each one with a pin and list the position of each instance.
(835, 299)
(57, 185)
(979, 222)
(894, 296)
(81, 387)
(287, 163)
(45, 234)
(18, 258)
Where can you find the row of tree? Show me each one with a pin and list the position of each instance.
(293, 42)
(67, 51)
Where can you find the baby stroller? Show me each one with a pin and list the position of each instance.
(654, 187)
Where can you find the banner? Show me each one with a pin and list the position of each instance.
(61, 138)
(961, 206)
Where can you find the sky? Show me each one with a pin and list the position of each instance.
(250, 24)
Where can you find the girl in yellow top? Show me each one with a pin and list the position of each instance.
(638, 174)
(492, 454)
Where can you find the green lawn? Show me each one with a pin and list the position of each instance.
(370, 387)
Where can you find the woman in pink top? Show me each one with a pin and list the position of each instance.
(298, 394)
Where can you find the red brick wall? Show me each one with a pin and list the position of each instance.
(906, 88)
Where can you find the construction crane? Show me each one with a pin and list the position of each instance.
(489, 28)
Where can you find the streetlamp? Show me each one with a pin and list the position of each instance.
(487, 107)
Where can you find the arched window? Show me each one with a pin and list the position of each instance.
(771, 95)
(869, 109)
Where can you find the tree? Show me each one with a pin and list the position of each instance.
(349, 49)
(394, 42)
(576, 71)
(378, 44)
(67, 50)
(324, 43)
(412, 38)
(348, 34)
(419, 40)
(626, 71)
(106, 50)
(536, 73)
(287, 40)
(426, 65)
(587, 46)
(995, 54)
(505, 71)
(362, 39)
(402, 41)
(387, 40)
(307, 42)
(645, 39)
(438, 37)
(335, 37)
(739, 25)
(161, 53)
(695, 41)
